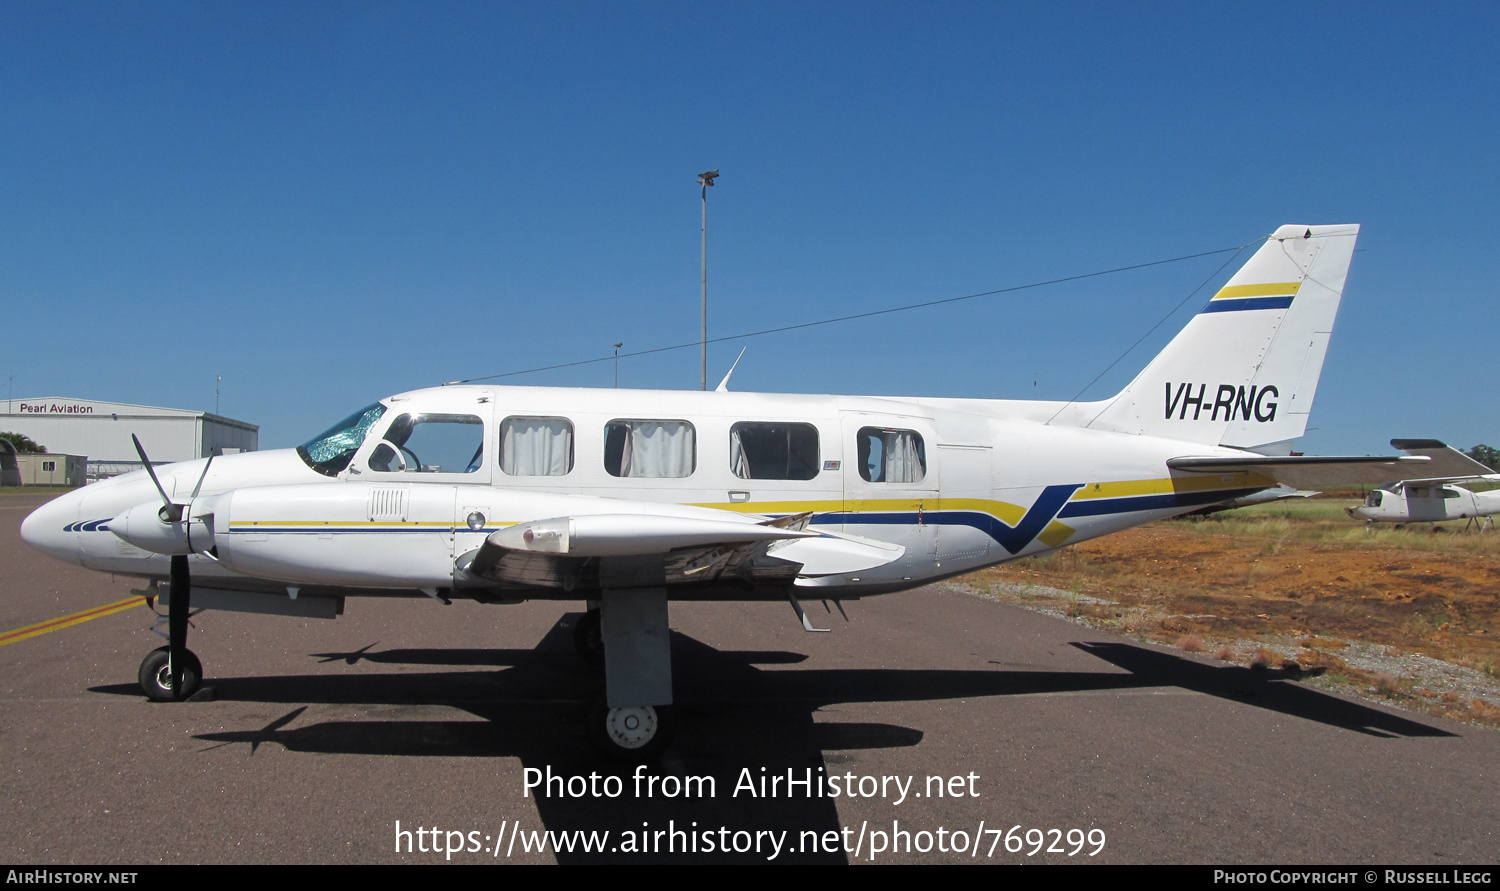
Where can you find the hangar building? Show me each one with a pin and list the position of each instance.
(101, 431)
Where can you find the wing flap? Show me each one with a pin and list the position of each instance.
(831, 555)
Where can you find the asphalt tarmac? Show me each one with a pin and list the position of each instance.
(953, 729)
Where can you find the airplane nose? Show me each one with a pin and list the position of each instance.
(49, 529)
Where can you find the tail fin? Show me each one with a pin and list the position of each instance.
(1244, 370)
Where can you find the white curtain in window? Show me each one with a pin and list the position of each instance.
(658, 449)
(536, 446)
(738, 462)
(903, 463)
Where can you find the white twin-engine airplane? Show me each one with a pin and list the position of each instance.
(628, 499)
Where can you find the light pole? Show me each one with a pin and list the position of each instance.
(617, 364)
(705, 180)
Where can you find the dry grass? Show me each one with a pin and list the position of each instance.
(1300, 572)
(1324, 521)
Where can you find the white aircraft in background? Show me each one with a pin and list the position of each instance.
(627, 499)
(1433, 499)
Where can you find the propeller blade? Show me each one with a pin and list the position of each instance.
(172, 512)
(201, 478)
(177, 619)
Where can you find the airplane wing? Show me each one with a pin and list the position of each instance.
(1428, 460)
(631, 550)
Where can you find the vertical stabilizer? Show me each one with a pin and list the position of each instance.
(1244, 370)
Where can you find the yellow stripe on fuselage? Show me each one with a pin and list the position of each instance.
(1206, 482)
(1003, 510)
(1008, 513)
(782, 508)
(1056, 534)
(1265, 289)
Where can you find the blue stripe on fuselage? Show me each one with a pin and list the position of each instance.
(1104, 506)
(1013, 539)
(1053, 504)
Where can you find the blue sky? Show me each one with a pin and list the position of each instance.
(329, 202)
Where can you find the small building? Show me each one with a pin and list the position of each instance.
(101, 431)
(52, 470)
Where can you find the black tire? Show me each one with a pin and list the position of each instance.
(634, 735)
(156, 682)
(588, 638)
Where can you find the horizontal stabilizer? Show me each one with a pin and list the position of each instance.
(1307, 472)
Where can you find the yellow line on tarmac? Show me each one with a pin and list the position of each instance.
(61, 622)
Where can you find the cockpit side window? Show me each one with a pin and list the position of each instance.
(330, 451)
(431, 443)
(1373, 499)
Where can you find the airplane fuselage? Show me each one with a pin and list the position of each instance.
(969, 488)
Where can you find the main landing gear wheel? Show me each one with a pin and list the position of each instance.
(156, 677)
(588, 638)
(634, 734)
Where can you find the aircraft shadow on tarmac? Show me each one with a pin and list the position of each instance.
(731, 716)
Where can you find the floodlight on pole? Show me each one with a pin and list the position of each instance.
(705, 180)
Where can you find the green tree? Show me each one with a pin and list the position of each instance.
(1489, 456)
(24, 444)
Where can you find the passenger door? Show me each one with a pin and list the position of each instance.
(891, 481)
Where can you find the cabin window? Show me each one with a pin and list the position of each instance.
(650, 449)
(1450, 493)
(330, 451)
(773, 451)
(536, 446)
(1373, 499)
(431, 443)
(891, 456)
